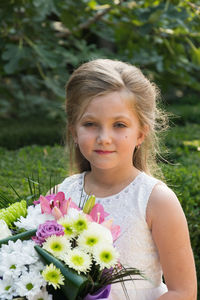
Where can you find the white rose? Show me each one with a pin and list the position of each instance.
(4, 230)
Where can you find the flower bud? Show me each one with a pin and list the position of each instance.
(4, 230)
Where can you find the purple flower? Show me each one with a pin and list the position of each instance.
(47, 229)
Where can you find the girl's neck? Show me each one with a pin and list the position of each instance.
(104, 183)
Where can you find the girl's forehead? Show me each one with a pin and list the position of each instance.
(115, 101)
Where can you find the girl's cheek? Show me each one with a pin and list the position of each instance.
(85, 136)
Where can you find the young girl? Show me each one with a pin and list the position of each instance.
(112, 130)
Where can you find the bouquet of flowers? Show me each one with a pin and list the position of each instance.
(54, 249)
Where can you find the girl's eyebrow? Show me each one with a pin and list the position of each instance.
(121, 117)
(90, 116)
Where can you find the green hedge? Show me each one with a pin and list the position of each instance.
(185, 113)
(184, 179)
(17, 133)
(32, 161)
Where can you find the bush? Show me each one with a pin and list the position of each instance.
(185, 113)
(43, 41)
(19, 133)
(183, 176)
(181, 141)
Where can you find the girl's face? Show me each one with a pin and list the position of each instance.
(108, 132)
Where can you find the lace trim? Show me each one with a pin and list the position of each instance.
(117, 195)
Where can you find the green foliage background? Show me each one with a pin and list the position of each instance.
(43, 41)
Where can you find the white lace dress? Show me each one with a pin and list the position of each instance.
(135, 244)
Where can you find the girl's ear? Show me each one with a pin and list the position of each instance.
(143, 133)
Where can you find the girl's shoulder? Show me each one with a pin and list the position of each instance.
(163, 202)
(162, 194)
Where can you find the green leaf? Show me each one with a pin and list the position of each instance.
(195, 54)
(13, 54)
(53, 85)
(69, 19)
(44, 8)
(47, 57)
(22, 236)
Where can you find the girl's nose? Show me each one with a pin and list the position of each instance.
(104, 137)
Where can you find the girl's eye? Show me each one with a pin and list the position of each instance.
(120, 125)
(88, 124)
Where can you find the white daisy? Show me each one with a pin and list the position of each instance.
(29, 253)
(7, 291)
(29, 284)
(33, 219)
(78, 260)
(12, 247)
(42, 295)
(10, 266)
(24, 252)
(36, 267)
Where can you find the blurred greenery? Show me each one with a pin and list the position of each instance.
(16, 133)
(43, 41)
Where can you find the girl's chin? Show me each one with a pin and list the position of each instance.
(103, 167)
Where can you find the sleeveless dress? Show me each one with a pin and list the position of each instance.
(135, 244)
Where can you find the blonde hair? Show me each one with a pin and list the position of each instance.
(100, 77)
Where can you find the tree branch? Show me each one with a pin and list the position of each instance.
(99, 15)
(194, 6)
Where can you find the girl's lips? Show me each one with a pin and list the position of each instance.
(103, 151)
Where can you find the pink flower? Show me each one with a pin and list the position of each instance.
(56, 205)
(48, 197)
(98, 213)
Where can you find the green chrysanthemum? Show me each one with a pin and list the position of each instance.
(53, 276)
(67, 223)
(105, 256)
(78, 260)
(13, 212)
(89, 239)
(57, 245)
(80, 224)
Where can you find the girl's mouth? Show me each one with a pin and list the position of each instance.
(103, 151)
